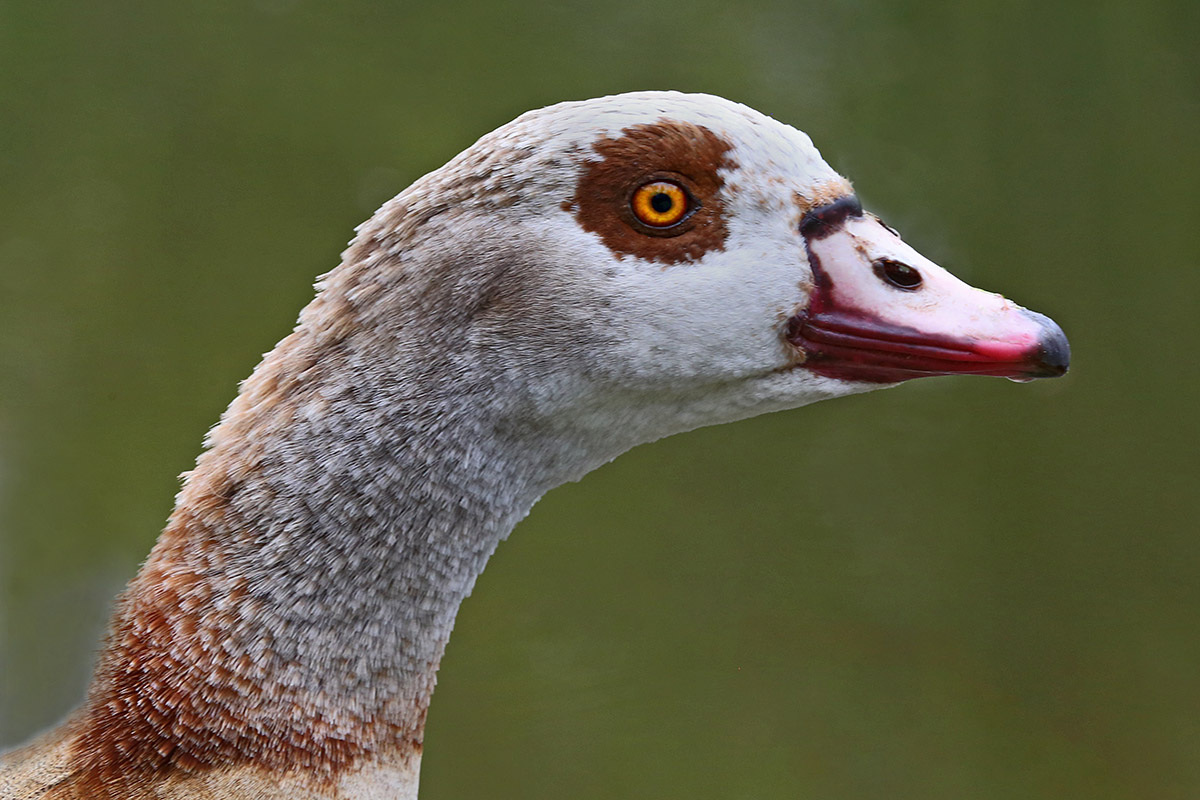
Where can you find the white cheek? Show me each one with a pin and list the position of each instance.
(713, 320)
(723, 315)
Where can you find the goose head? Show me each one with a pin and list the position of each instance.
(589, 277)
(654, 262)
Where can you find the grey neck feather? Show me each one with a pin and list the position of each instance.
(371, 522)
(352, 494)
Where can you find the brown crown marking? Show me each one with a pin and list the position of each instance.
(689, 154)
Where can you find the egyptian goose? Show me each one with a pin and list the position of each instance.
(589, 277)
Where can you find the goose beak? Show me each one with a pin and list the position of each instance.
(880, 312)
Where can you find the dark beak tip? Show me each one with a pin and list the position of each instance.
(1054, 351)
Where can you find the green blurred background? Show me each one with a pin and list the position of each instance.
(961, 588)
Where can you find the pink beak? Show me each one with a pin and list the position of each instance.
(880, 312)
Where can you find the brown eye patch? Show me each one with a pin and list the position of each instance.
(607, 200)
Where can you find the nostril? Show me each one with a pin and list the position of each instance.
(897, 273)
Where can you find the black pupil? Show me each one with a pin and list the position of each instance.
(662, 202)
(898, 273)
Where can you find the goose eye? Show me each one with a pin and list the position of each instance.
(660, 204)
(897, 273)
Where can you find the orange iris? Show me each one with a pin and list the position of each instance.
(660, 204)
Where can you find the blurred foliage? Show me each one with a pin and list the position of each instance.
(956, 589)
